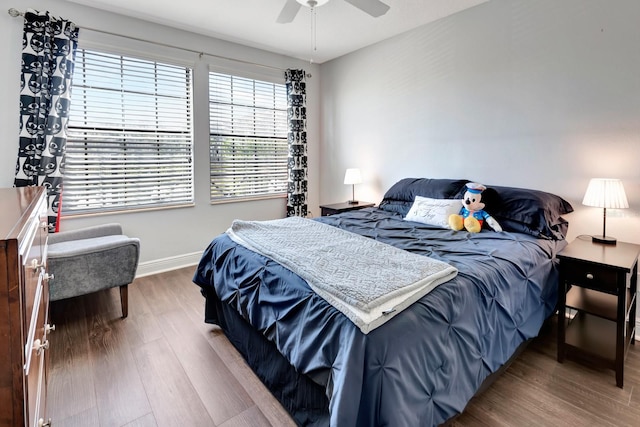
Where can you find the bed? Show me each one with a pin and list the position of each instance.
(422, 366)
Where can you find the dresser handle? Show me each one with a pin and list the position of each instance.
(39, 346)
(42, 423)
(589, 276)
(49, 277)
(49, 328)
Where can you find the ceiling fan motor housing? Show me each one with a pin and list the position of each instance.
(312, 3)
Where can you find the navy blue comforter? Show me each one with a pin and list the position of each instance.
(421, 367)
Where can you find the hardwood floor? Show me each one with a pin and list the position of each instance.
(163, 366)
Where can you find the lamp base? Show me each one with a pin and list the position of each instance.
(353, 202)
(607, 240)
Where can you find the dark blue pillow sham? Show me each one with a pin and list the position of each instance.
(401, 195)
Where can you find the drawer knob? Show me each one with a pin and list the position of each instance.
(40, 346)
(49, 277)
(35, 265)
(49, 328)
(42, 423)
(589, 276)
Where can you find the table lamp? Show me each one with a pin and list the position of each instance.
(353, 177)
(605, 193)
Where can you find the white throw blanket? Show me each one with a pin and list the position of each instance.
(368, 281)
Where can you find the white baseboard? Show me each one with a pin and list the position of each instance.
(167, 264)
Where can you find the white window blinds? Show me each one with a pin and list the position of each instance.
(248, 138)
(129, 140)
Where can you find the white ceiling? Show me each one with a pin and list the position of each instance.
(340, 27)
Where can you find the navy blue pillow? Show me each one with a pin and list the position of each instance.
(527, 211)
(401, 195)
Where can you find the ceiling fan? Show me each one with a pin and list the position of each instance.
(374, 8)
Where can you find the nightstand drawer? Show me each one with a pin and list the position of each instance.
(592, 276)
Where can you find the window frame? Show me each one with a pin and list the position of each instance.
(180, 60)
(246, 71)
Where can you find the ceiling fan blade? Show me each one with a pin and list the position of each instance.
(288, 12)
(374, 8)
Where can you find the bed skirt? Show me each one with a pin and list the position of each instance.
(305, 400)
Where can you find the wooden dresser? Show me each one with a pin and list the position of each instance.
(24, 307)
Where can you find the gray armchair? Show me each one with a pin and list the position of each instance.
(92, 259)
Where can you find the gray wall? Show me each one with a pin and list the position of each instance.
(173, 237)
(542, 94)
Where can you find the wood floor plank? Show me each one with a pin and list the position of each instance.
(158, 293)
(221, 393)
(88, 418)
(268, 404)
(576, 373)
(596, 382)
(173, 398)
(146, 421)
(142, 323)
(70, 381)
(492, 406)
(634, 399)
(471, 419)
(563, 390)
(251, 417)
(142, 328)
(119, 389)
(545, 408)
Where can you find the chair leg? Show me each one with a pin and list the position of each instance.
(124, 300)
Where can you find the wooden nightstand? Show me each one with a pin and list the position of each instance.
(598, 283)
(343, 207)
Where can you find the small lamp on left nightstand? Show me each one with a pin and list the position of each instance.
(605, 193)
(353, 177)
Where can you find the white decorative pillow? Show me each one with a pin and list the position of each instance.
(433, 211)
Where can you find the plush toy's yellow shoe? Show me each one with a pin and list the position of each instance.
(472, 225)
(455, 222)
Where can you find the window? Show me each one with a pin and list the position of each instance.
(248, 138)
(129, 143)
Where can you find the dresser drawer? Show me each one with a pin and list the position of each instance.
(591, 276)
(33, 282)
(35, 357)
(36, 387)
(36, 323)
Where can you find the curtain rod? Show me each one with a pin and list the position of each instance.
(15, 13)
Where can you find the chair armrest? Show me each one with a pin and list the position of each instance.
(85, 233)
(84, 247)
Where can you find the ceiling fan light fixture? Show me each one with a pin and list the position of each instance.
(312, 3)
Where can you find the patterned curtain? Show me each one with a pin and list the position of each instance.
(297, 135)
(48, 54)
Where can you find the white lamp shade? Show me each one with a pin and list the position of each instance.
(605, 193)
(352, 176)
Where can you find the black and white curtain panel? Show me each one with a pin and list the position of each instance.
(48, 54)
(297, 136)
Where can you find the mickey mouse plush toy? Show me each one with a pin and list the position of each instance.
(472, 214)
